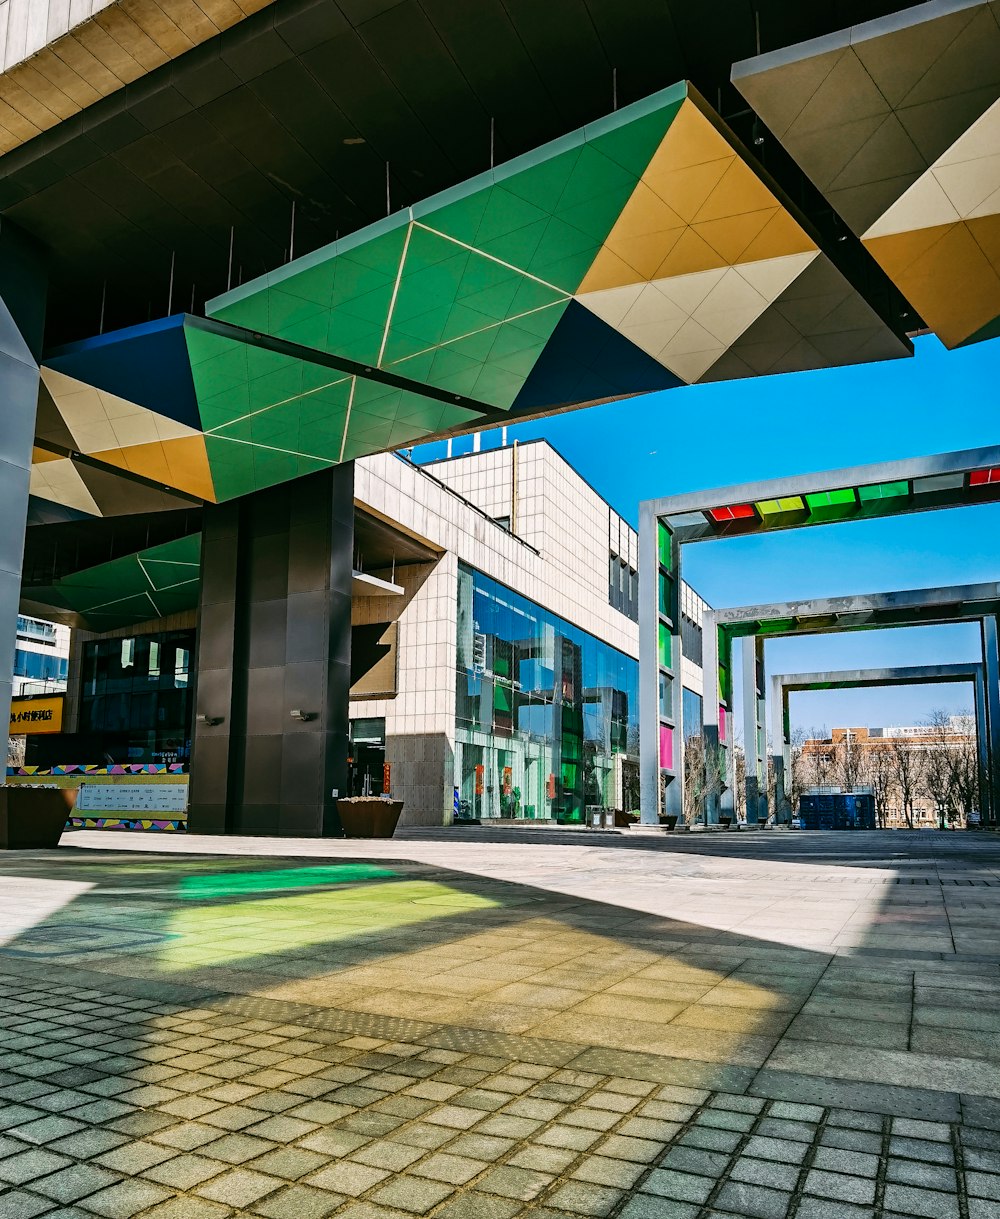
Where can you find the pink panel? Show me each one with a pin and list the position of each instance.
(722, 724)
(666, 747)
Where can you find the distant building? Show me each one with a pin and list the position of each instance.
(41, 657)
(822, 762)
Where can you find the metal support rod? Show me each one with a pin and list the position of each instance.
(104, 297)
(170, 290)
(614, 89)
(229, 273)
(291, 236)
(388, 202)
(492, 142)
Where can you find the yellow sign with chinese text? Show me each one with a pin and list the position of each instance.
(33, 714)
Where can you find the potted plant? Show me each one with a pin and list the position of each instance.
(369, 816)
(33, 817)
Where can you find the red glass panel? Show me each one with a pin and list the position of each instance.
(735, 512)
(979, 478)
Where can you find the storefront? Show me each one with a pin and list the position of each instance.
(546, 714)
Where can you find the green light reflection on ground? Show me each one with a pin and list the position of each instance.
(237, 884)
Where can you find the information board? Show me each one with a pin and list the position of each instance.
(132, 798)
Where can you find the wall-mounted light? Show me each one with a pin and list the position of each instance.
(304, 716)
(209, 720)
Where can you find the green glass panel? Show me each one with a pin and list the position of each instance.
(831, 505)
(775, 626)
(665, 646)
(663, 545)
(891, 490)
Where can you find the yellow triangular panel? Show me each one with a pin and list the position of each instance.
(181, 464)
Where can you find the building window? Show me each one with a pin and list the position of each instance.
(39, 666)
(546, 714)
(691, 640)
(692, 713)
(623, 587)
(136, 696)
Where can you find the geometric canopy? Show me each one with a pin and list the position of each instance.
(897, 121)
(152, 583)
(642, 252)
(654, 219)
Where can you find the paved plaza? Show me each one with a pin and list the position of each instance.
(480, 1024)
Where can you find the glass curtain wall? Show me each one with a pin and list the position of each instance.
(136, 697)
(546, 715)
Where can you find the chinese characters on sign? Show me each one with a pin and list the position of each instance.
(33, 715)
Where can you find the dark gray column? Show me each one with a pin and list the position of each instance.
(22, 321)
(274, 637)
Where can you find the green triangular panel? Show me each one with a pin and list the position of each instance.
(232, 467)
(631, 145)
(462, 292)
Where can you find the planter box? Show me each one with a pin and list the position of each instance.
(33, 818)
(369, 816)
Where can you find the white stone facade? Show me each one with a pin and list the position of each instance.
(556, 553)
(57, 57)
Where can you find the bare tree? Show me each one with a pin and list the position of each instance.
(820, 758)
(705, 777)
(694, 778)
(965, 777)
(878, 772)
(846, 761)
(795, 773)
(940, 763)
(739, 781)
(908, 764)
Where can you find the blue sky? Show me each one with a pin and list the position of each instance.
(712, 435)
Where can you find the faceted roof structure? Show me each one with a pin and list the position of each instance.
(642, 252)
(898, 122)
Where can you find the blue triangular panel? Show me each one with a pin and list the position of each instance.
(146, 364)
(585, 359)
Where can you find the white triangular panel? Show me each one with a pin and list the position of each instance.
(59, 482)
(99, 421)
(923, 206)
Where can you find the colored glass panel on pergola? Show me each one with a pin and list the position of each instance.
(951, 480)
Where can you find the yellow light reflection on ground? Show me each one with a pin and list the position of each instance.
(222, 934)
